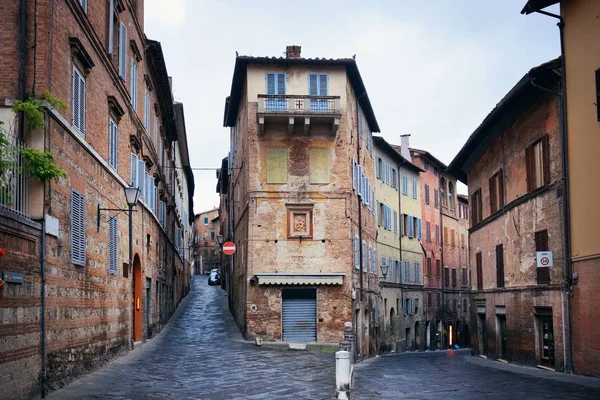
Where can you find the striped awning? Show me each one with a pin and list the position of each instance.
(300, 279)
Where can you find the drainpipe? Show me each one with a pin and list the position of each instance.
(567, 333)
(22, 63)
(360, 246)
(442, 269)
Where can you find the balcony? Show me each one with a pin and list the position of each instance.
(299, 111)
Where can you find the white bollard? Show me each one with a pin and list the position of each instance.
(342, 374)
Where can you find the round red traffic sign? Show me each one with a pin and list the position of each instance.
(229, 248)
(544, 261)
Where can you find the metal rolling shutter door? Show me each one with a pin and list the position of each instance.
(299, 315)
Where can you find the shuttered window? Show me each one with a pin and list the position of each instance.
(428, 261)
(427, 194)
(419, 228)
(541, 244)
(113, 140)
(395, 221)
(445, 235)
(446, 277)
(112, 246)
(500, 266)
(496, 192)
(78, 101)
(133, 171)
(417, 272)
(479, 266)
(537, 163)
(123, 51)
(436, 200)
(428, 231)
(163, 213)
(414, 189)
(317, 86)
(141, 178)
(465, 279)
(438, 268)
(453, 237)
(437, 234)
(77, 229)
(133, 84)
(406, 271)
(147, 109)
(83, 4)
(319, 166)
(404, 185)
(356, 252)
(476, 213)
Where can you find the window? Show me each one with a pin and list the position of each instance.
(443, 191)
(451, 195)
(496, 192)
(78, 101)
(446, 277)
(364, 256)
(356, 252)
(436, 200)
(462, 240)
(426, 194)
(113, 143)
(77, 229)
(476, 213)
(414, 188)
(419, 228)
(133, 84)
(122, 50)
(276, 166)
(112, 246)
(428, 231)
(147, 109)
(404, 185)
(205, 220)
(395, 222)
(83, 4)
(276, 85)
(453, 277)
(212, 235)
(479, 266)
(428, 265)
(446, 236)
(438, 267)
(465, 279)
(319, 165)
(417, 272)
(425, 165)
(317, 86)
(598, 93)
(541, 244)
(537, 162)
(407, 271)
(163, 213)
(500, 266)
(394, 182)
(437, 234)
(453, 237)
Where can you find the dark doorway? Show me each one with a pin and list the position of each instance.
(137, 299)
(299, 315)
(147, 306)
(501, 331)
(481, 334)
(547, 340)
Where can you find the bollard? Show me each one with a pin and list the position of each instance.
(342, 374)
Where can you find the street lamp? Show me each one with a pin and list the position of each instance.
(131, 197)
(384, 270)
(220, 240)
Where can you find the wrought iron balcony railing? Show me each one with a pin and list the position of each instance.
(14, 179)
(299, 105)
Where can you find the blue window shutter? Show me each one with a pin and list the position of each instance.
(111, 19)
(281, 84)
(406, 271)
(134, 164)
(356, 253)
(77, 229)
(377, 171)
(360, 127)
(270, 82)
(378, 214)
(419, 228)
(141, 177)
(411, 227)
(353, 174)
(122, 49)
(112, 246)
(401, 224)
(313, 85)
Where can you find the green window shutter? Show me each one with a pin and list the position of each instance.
(276, 166)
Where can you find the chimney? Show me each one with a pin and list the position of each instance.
(404, 151)
(292, 51)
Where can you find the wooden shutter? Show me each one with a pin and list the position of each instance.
(75, 95)
(445, 235)
(112, 246)
(478, 263)
(141, 177)
(493, 205)
(420, 228)
(453, 277)
(438, 267)
(428, 231)
(446, 277)
(500, 266)
(323, 85)
(500, 188)
(313, 85)
(77, 229)
(546, 159)
(281, 84)
(82, 103)
(133, 175)
(270, 84)
(530, 168)
(122, 49)
(541, 244)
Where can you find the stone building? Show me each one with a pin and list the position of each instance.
(302, 211)
(207, 228)
(579, 29)
(73, 299)
(398, 248)
(512, 164)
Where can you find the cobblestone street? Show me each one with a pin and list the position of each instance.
(457, 375)
(203, 356)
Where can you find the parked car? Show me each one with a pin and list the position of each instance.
(214, 278)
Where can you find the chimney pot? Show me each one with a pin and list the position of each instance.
(293, 51)
(404, 144)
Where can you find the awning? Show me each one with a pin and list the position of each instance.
(300, 279)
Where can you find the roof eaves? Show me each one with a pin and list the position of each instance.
(160, 77)
(392, 152)
(536, 5)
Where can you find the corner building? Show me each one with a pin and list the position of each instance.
(301, 197)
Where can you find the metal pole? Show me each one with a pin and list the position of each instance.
(130, 267)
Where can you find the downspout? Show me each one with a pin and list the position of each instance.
(567, 333)
(22, 64)
(43, 300)
(442, 269)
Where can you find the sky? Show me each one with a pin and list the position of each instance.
(433, 68)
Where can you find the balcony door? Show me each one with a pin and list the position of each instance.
(275, 87)
(318, 86)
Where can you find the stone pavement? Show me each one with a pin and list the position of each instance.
(456, 375)
(202, 355)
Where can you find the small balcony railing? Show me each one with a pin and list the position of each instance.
(301, 105)
(14, 179)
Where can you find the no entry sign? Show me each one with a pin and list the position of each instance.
(229, 248)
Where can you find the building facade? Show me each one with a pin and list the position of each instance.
(207, 228)
(301, 198)
(513, 167)
(581, 90)
(67, 239)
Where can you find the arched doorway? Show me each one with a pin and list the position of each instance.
(137, 299)
(417, 337)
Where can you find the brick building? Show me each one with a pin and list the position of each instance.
(301, 207)
(121, 127)
(207, 228)
(513, 166)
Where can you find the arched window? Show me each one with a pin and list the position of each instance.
(443, 190)
(451, 194)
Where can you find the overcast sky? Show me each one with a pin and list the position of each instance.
(432, 68)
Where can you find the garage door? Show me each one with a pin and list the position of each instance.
(299, 315)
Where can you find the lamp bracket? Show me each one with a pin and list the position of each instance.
(120, 210)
